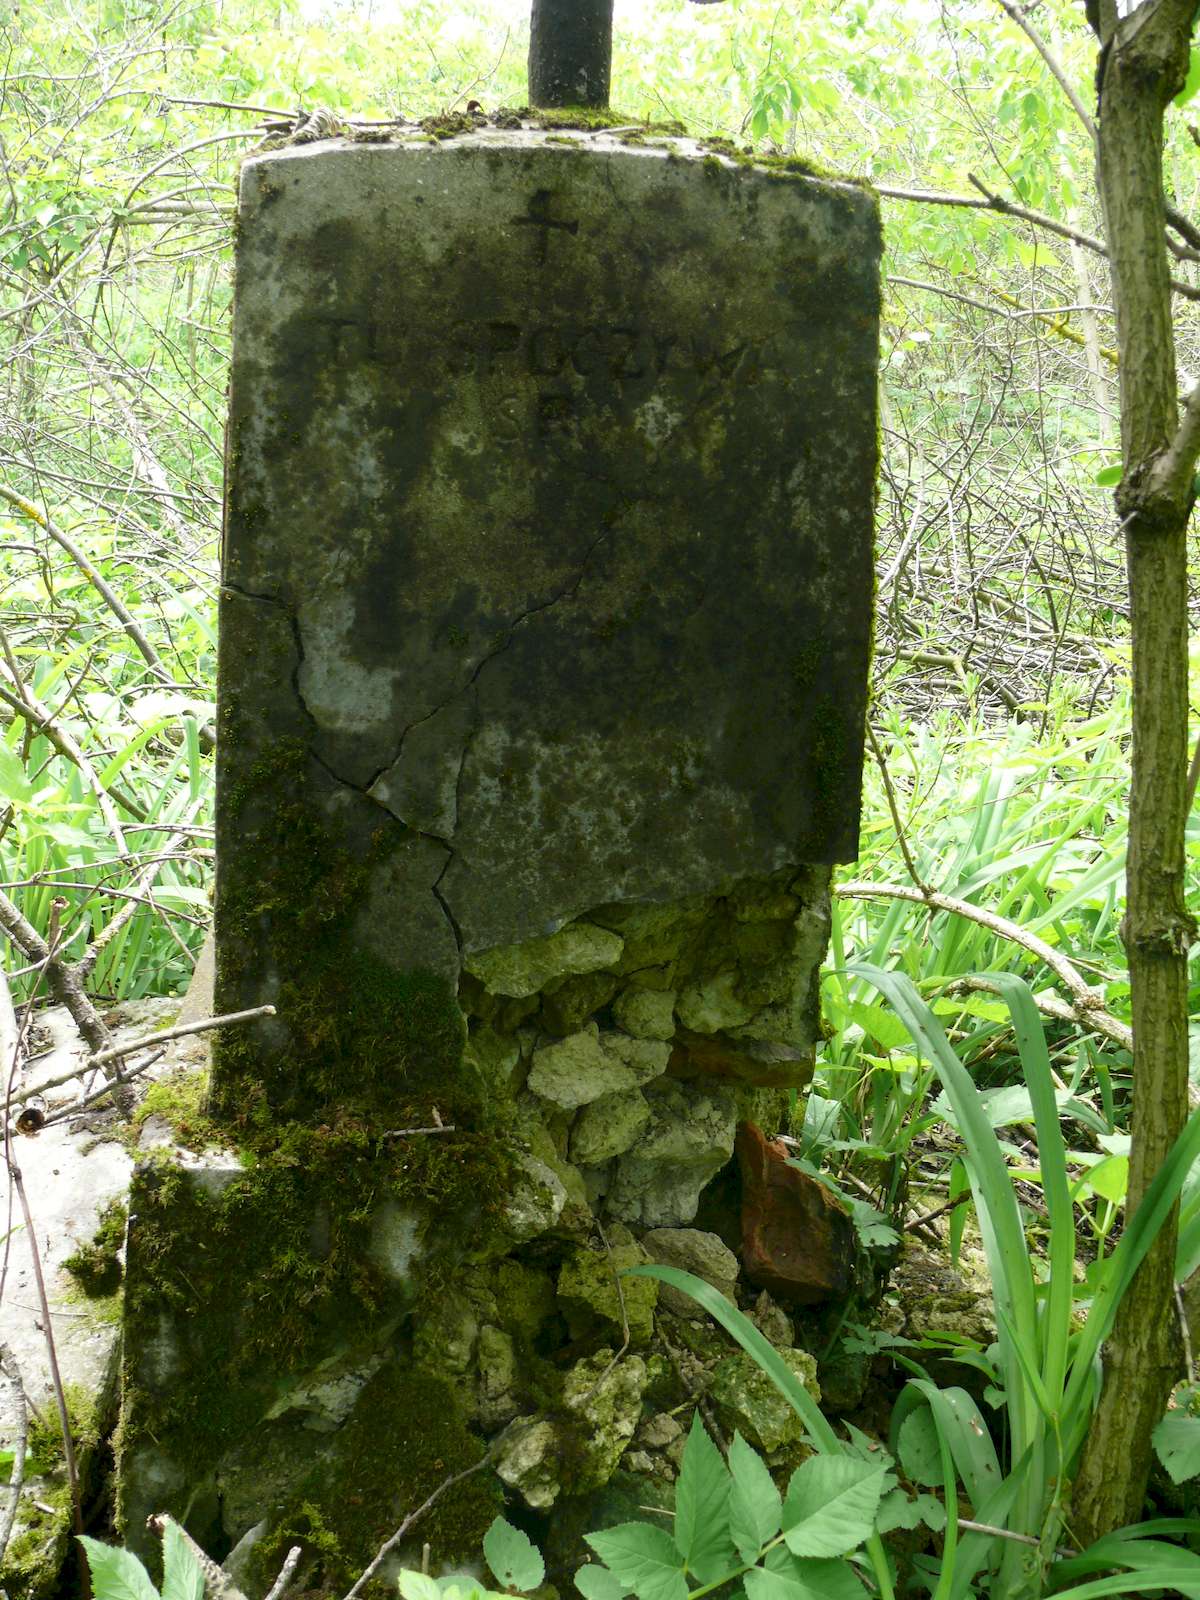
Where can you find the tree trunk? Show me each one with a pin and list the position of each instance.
(570, 52)
(1143, 63)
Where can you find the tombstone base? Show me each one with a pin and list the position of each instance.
(318, 1336)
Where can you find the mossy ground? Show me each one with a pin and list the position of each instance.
(405, 1436)
(34, 1561)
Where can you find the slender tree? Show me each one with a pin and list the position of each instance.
(1143, 64)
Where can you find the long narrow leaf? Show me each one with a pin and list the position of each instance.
(995, 1201)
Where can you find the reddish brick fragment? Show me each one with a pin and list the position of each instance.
(797, 1241)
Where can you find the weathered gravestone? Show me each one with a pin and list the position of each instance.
(544, 638)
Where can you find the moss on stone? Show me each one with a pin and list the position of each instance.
(450, 124)
(33, 1563)
(301, 1223)
(592, 119)
(406, 1435)
(96, 1266)
(795, 167)
(182, 1101)
(364, 1037)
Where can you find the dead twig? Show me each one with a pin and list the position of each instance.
(218, 1585)
(65, 984)
(889, 791)
(148, 1040)
(286, 1573)
(1088, 1003)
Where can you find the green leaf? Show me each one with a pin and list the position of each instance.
(830, 1505)
(874, 1230)
(595, 1582)
(897, 1510)
(1192, 82)
(784, 1576)
(14, 785)
(1109, 477)
(918, 1449)
(755, 1504)
(514, 1559)
(643, 1558)
(116, 1574)
(879, 1024)
(702, 1507)
(1176, 1442)
(419, 1586)
(182, 1576)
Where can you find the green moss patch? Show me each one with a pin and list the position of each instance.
(96, 1267)
(405, 1436)
(182, 1100)
(33, 1564)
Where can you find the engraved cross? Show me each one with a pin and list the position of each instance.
(539, 217)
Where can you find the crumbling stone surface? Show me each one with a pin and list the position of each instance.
(797, 1240)
(522, 969)
(646, 1013)
(579, 1452)
(575, 1071)
(589, 1295)
(688, 1139)
(528, 1460)
(608, 1127)
(747, 1400)
(702, 1254)
(605, 1395)
(536, 1202)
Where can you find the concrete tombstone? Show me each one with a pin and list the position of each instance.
(545, 623)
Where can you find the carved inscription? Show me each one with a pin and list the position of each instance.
(541, 203)
(542, 378)
(621, 352)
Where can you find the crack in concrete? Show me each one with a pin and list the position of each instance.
(293, 622)
(436, 890)
(567, 592)
(470, 686)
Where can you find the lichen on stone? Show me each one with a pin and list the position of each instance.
(747, 1400)
(595, 1294)
(523, 969)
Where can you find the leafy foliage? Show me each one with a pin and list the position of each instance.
(117, 1574)
(731, 1524)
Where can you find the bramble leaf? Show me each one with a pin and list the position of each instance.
(755, 1504)
(595, 1582)
(643, 1558)
(182, 1576)
(702, 1508)
(1176, 1442)
(784, 1576)
(116, 1574)
(515, 1561)
(830, 1505)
